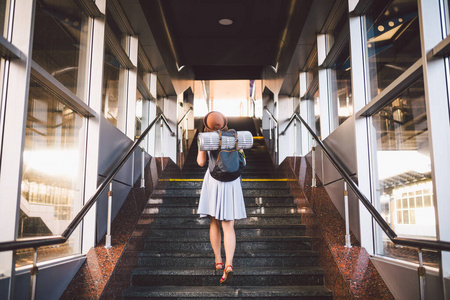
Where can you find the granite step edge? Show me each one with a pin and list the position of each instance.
(242, 254)
(254, 271)
(228, 291)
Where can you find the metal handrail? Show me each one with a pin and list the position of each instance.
(270, 114)
(291, 119)
(167, 123)
(181, 120)
(417, 243)
(53, 240)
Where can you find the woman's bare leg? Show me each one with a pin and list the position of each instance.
(215, 238)
(229, 241)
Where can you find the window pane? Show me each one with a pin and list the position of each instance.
(393, 41)
(404, 165)
(4, 16)
(139, 107)
(341, 84)
(115, 28)
(317, 112)
(52, 173)
(114, 93)
(60, 43)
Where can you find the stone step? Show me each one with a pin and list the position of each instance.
(252, 165)
(277, 185)
(194, 192)
(225, 292)
(143, 276)
(277, 258)
(193, 200)
(195, 219)
(202, 230)
(242, 243)
(263, 173)
(192, 209)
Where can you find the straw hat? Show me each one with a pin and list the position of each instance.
(215, 121)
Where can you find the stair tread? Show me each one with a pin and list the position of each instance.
(255, 253)
(196, 216)
(228, 291)
(246, 271)
(236, 226)
(239, 239)
(266, 205)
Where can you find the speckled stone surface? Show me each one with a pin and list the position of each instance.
(349, 273)
(96, 275)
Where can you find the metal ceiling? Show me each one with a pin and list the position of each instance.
(264, 34)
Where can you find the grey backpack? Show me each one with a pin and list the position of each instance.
(226, 164)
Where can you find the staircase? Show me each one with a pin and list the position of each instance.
(273, 258)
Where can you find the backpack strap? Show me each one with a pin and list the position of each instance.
(236, 139)
(220, 139)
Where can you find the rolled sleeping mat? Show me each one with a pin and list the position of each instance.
(210, 140)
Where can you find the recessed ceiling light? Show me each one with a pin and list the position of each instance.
(225, 22)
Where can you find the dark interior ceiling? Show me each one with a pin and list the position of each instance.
(188, 34)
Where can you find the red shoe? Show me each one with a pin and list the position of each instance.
(228, 275)
(218, 266)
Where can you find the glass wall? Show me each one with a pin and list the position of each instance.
(393, 41)
(4, 16)
(60, 43)
(341, 87)
(52, 180)
(139, 111)
(115, 27)
(317, 112)
(114, 90)
(405, 187)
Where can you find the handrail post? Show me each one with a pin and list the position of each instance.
(186, 131)
(181, 139)
(275, 138)
(270, 128)
(295, 137)
(142, 168)
(108, 225)
(421, 271)
(162, 138)
(162, 144)
(313, 153)
(348, 243)
(33, 275)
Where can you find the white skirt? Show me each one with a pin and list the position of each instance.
(221, 200)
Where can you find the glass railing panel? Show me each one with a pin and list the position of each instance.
(404, 182)
(52, 180)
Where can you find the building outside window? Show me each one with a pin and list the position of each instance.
(404, 181)
(60, 43)
(393, 42)
(52, 181)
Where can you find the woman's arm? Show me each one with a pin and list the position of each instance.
(201, 158)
